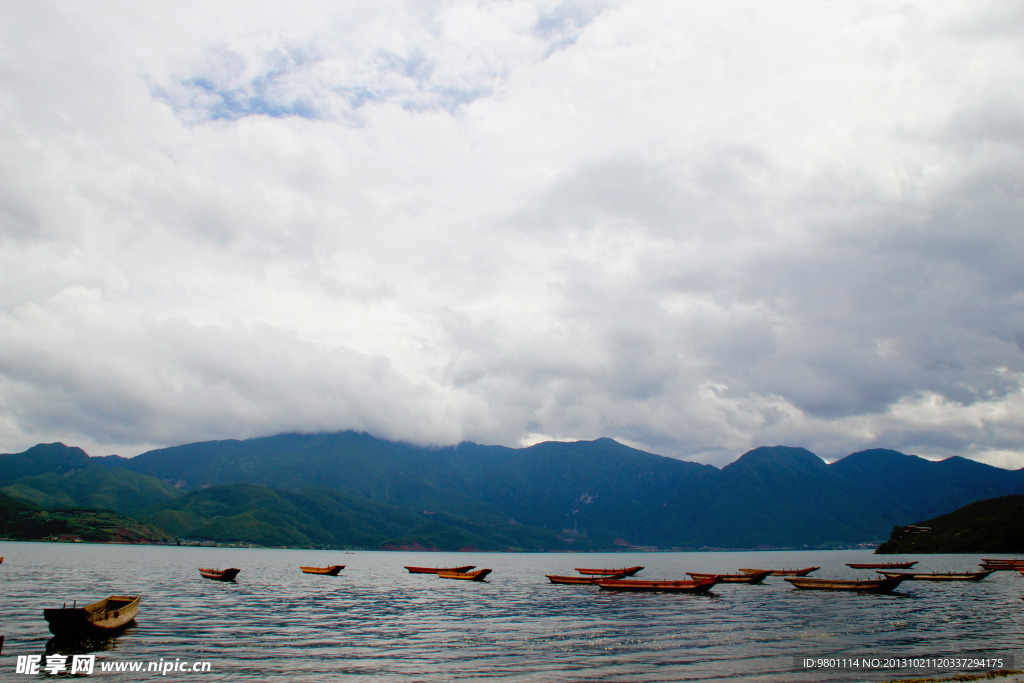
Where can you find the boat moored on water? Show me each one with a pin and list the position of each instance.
(881, 565)
(625, 571)
(219, 574)
(581, 580)
(478, 575)
(333, 570)
(434, 570)
(103, 617)
(1002, 565)
(782, 572)
(636, 585)
(939, 576)
(858, 585)
(745, 577)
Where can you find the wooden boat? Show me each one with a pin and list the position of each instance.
(783, 572)
(333, 570)
(881, 565)
(434, 570)
(733, 578)
(625, 571)
(219, 574)
(940, 576)
(478, 575)
(103, 617)
(1002, 565)
(1, 560)
(635, 585)
(863, 585)
(586, 580)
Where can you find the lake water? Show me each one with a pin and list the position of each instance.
(377, 622)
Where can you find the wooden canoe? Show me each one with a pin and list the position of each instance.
(881, 565)
(478, 575)
(1002, 565)
(584, 580)
(434, 570)
(1003, 561)
(783, 572)
(863, 585)
(333, 570)
(635, 585)
(219, 574)
(625, 571)
(939, 576)
(103, 617)
(732, 578)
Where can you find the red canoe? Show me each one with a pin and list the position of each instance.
(333, 570)
(219, 574)
(434, 570)
(478, 575)
(626, 571)
(733, 578)
(702, 586)
(864, 586)
(584, 580)
(783, 572)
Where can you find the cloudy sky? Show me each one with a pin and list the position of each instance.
(696, 228)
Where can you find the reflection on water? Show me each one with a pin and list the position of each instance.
(375, 621)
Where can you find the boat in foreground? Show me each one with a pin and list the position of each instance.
(625, 571)
(219, 574)
(103, 617)
(434, 570)
(635, 585)
(749, 577)
(939, 576)
(881, 565)
(862, 585)
(782, 572)
(582, 580)
(333, 570)
(478, 575)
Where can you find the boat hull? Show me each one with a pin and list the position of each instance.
(625, 571)
(1002, 565)
(783, 572)
(582, 580)
(100, 618)
(333, 570)
(478, 575)
(636, 586)
(948, 576)
(881, 565)
(219, 574)
(434, 570)
(750, 578)
(862, 586)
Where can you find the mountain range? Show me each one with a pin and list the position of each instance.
(350, 489)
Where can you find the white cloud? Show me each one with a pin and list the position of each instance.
(695, 228)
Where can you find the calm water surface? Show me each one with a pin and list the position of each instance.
(376, 622)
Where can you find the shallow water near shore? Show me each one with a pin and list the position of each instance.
(377, 622)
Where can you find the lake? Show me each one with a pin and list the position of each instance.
(377, 622)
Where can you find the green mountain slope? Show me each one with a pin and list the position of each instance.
(257, 514)
(987, 526)
(115, 489)
(22, 522)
